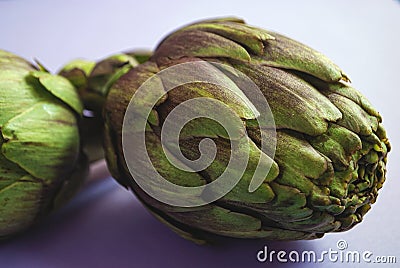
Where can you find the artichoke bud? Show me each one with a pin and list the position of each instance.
(330, 148)
(41, 161)
(93, 81)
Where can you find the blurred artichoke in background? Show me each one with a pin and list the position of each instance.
(93, 81)
(41, 162)
(331, 148)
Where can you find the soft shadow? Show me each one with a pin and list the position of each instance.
(106, 226)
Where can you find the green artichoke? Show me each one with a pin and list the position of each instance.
(331, 148)
(41, 162)
(93, 81)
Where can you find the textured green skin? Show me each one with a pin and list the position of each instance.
(331, 147)
(93, 81)
(41, 164)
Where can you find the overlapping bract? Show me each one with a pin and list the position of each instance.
(41, 164)
(331, 147)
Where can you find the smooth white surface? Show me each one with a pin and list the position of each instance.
(110, 226)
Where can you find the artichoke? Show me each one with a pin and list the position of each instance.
(41, 161)
(325, 148)
(93, 81)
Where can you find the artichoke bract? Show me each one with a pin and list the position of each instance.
(329, 159)
(93, 81)
(41, 162)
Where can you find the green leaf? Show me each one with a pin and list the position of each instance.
(85, 65)
(233, 97)
(18, 92)
(9, 171)
(61, 88)
(20, 204)
(295, 104)
(200, 44)
(287, 53)
(77, 72)
(222, 221)
(354, 117)
(141, 56)
(11, 62)
(44, 141)
(298, 154)
(289, 205)
(248, 37)
(338, 144)
(344, 90)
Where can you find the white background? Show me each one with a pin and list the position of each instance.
(106, 225)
